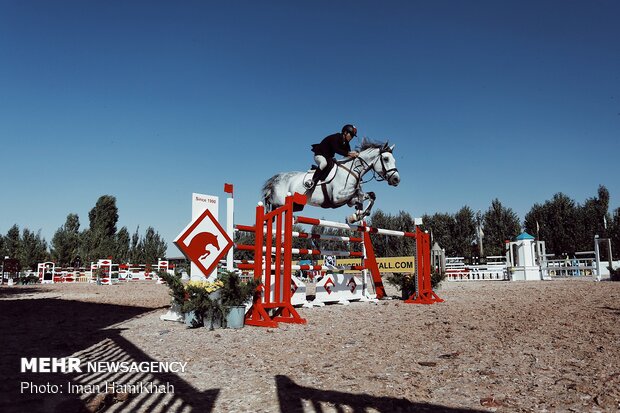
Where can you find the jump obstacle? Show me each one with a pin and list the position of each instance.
(49, 273)
(273, 260)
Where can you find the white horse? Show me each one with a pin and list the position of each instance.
(342, 186)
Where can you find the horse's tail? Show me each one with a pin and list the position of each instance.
(267, 192)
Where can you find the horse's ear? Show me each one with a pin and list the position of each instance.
(387, 148)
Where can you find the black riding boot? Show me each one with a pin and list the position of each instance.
(315, 178)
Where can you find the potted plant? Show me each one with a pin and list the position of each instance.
(404, 282)
(235, 294)
(202, 303)
(100, 274)
(437, 278)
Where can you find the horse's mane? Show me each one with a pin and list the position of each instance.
(369, 144)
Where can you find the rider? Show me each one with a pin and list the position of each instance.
(324, 152)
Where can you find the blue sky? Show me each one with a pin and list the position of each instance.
(150, 101)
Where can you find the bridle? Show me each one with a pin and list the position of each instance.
(384, 175)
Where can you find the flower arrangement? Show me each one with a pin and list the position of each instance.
(202, 299)
(209, 300)
(208, 286)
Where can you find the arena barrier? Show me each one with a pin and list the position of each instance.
(274, 234)
(495, 269)
(49, 273)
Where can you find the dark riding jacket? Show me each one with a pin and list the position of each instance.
(332, 145)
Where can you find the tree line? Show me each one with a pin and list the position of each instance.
(565, 225)
(71, 247)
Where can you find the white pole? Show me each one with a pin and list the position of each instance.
(597, 254)
(230, 230)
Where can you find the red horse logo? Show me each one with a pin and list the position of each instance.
(352, 284)
(197, 249)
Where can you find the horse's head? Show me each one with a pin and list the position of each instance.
(385, 165)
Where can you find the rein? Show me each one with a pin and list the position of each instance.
(357, 171)
(385, 174)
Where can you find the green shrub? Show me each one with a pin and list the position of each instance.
(235, 292)
(436, 278)
(177, 289)
(29, 279)
(404, 282)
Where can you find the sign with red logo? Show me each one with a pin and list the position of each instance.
(329, 284)
(204, 242)
(352, 284)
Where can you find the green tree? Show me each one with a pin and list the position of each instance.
(12, 242)
(390, 246)
(440, 227)
(154, 247)
(103, 219)
(136, 251)
(405, 246)
(85, 249)
(500, 224)
(454, 233)
(3, 252)
(535, 221)
(244, 238)
(33, 249)
(122, 246)
(464, 231)
(614, 232)
(557, 220)
(65, 244)
(381, 244)
(333, 245)
(591, 220)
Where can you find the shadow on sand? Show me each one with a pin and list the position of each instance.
(58, 328)
(51, 327)
(294, 398)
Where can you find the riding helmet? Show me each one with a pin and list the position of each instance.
(349, 128)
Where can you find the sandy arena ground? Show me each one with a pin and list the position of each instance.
(491, 346)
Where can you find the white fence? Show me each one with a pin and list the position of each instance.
(495, 269)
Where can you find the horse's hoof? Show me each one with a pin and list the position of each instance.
(352, 219)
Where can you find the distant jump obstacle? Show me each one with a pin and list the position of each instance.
(273, 261)
(110, 273)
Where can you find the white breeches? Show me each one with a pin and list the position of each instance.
(320, 161)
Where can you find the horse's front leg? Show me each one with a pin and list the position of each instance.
(368, 196)
(358, 202)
